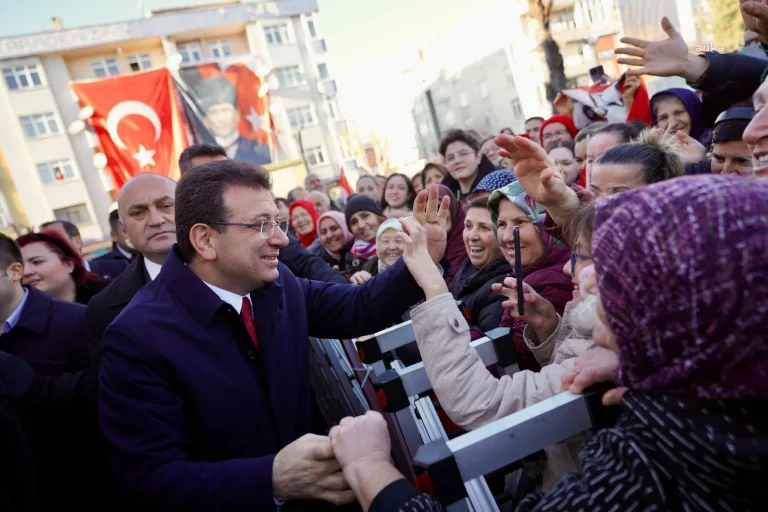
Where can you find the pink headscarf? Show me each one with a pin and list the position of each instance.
(339, 218)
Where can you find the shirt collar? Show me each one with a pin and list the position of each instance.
(153, 269)
(12, 320)
(125, 253)
(233, 299)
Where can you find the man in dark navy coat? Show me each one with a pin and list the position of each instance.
(204, 384)
(112, 264)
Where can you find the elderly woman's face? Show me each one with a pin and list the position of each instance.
(364, 225)
(609, 179)
(433, 175)
(301, 221)
(602, 334)
(320, 204)
(672, 115)
(733, 158)
(390, 247)
(331, 235)
(531, 245)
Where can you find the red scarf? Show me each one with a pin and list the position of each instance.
(306, 240)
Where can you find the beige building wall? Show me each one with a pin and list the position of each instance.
(80, 67)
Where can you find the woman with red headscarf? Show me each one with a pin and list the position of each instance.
(304, 222)
(53, 266)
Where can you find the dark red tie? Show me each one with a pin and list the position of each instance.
(247, 315)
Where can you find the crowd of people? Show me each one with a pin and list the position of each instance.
(172, 373)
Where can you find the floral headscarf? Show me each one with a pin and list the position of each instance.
(682, 272)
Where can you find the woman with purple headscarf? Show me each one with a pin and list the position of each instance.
(680, 109)
(681, 274)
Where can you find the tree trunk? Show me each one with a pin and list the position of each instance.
(557, 80)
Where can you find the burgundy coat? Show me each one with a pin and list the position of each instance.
(547, 278)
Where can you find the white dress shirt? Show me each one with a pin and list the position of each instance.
(152, 269)
(125, 253)
(233, 299)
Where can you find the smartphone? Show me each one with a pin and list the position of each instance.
(597, 74)
(519, 273)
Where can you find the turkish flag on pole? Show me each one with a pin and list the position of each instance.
(138, 121)
(343, 183)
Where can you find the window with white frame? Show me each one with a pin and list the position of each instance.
(300, 116)
(22, 77)
(277, 34)
(322, 70)
(483, 88)
(39, 125)
(332, 107)
(105, 67)
(312, 29)
(56, 171)
(140, 62)
(517, 108)
(76, 214)
(190, 53)
(289, 76)
(463, 99)
(315, 156)
(220, 48)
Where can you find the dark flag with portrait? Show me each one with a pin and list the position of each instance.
(228, 106)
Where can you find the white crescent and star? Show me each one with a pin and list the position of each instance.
(258, 122)
(144, 156)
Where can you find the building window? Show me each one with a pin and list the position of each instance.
(332, 109)
(57, 171)
(517, 108)
(105, 67)
(311, 29)
(301, 116)
(315, 156)
(190, 53)
(290, 76)
(40, 125)
(76, 214)
(322, 70)
(22, 77)
(463, 99)
(140, 62)
(278, 34)
(220, 48)
(483, 88)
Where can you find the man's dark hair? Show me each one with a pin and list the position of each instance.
(625, 131)
(534, 118)
(456, 135)
(292, 194)
(69, 228)
(10, 252)
(195, 150)
(200, 196)
(114, 220)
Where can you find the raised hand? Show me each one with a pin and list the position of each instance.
(689, 148)
(631, 84)
(669, 57)
(418, 259)
(755, 16)
(594, 366)
(539, 312)
(535, 170)
(360, 278)
(433, 216)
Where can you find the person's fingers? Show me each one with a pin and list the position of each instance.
(669, 28)
(614, 396)
(320, 449)
(631, 62)
(503, 290)
(409, 224)
(589, 376)
(420, 206)
(628, 50)
(444, 212)
(757, 10)
(639, 43)
(334, 482)
(432, 202)
(566, 380)
(638, 72)
(338, 498)
(333, 433)
(345, 421)
(405, 238)
(505, 154)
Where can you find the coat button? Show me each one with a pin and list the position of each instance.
(251, 355)
(455, 323)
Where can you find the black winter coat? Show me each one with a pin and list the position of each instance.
(473, 289)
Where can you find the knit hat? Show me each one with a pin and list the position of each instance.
(361, 203)
(682, 271)
(564, 120)
(495, 180)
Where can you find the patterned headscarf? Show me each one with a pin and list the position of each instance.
(494, 181)
(682, 272)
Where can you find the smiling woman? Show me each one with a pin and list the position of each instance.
(304, 221)
(335, 240)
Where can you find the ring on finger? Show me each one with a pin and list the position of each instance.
(431, 222)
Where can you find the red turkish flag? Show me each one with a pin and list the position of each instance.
(138, 121)
(343, 183)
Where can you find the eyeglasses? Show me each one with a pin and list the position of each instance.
(558, 133)
(576, 256)
(265, 227)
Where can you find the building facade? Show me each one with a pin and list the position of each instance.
(47, 173)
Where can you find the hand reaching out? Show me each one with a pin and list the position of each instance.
(755, 16)
(360, 278)
(669, 57)
(631, 84)
(418, 259)
(433, 215)
(594, 366)
(689, 148)
(539, 312)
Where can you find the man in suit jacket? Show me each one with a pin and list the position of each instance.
(110, 265)
(204, 384)
(49, 335)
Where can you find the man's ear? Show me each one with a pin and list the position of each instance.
(205, 240)
(15, 271)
